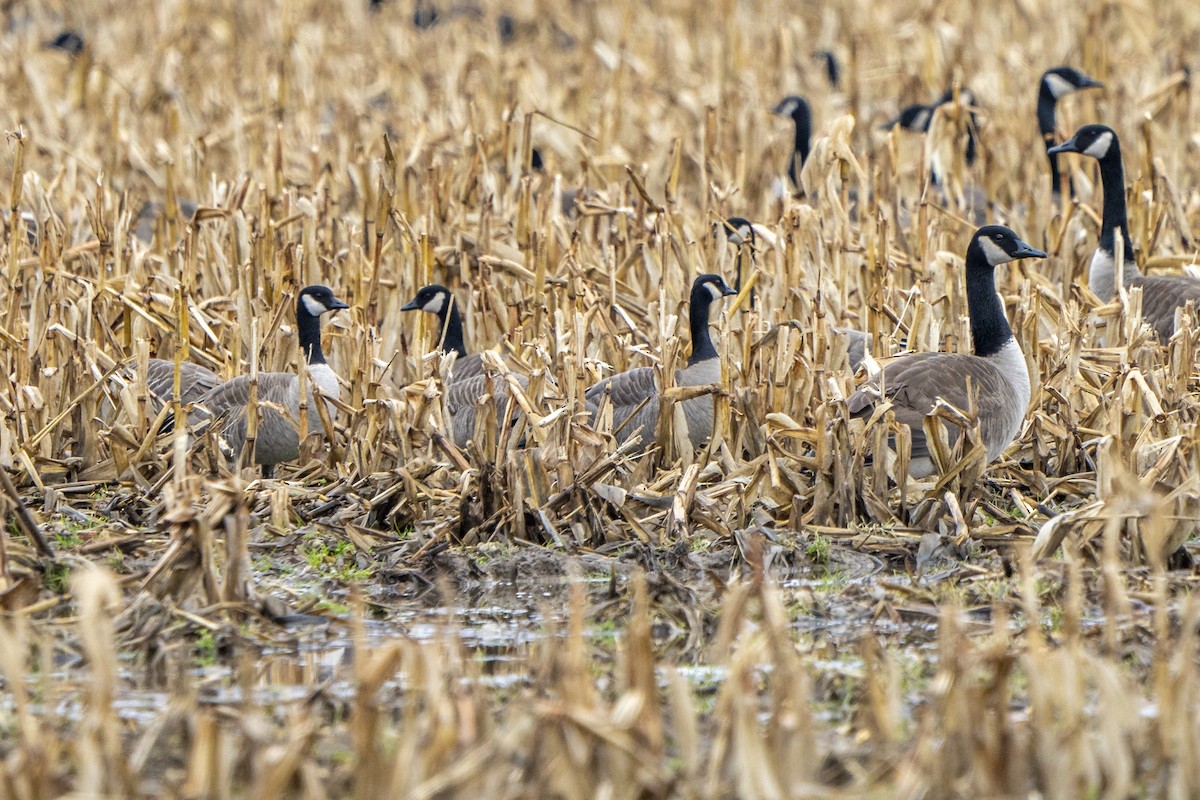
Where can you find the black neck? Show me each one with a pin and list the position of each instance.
(800, 148)
(309, 329)
(1112, 178)
(971, 151)
(451, 328)
(1047, 105)
(702, 343)
(989, 326)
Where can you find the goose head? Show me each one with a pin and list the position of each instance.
(996, 245)
(915, 118)
(67, 41)
(1061, 81)
(434, 299)
(317, 300)
(795, 107)
(737, 231)
(710, 287)
(1097, 141)
(833, 70)
(965, 96)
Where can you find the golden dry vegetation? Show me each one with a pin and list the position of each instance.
(539, 614)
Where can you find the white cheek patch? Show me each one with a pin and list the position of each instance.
(1058, 85)
(714, 291)
(788, 108)
(921, 121)
(313, 305)
(435, 305)
(994, 253)
(740, 236)
(1099, 148)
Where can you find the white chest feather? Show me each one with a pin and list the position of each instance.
(1011, 363)
(324, 379)
(1102, 275)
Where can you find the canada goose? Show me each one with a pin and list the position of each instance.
(146, 220)
(67, 41)
(797, 108)
(438, 300)
(1161, 294)
(568, 197)
(468, 382)
(833, 70)
(426, 15)
(739, 232)
(914, 118)
(1056, 83)
(994, 381)
(857, 344)
(635, 393)
(278, 392)
(918, 118)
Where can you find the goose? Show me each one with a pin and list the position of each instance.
(798, 109)
(1056, 83)
(635, 394)
(146, 220)
(68, 41)
(994, 379)
(1161, 294)
(833, 70)
(740, 232)
(468, 382)
(278, 439)
(918, 118)
(914, 118)
(438, 300)
(857, 344)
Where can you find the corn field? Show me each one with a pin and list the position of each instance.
(542, 613)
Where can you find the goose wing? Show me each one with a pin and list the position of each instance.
(634, 396)
(467, 367)
(1161, 295)
(462, 401)
(195, 381)
(277, 437)
(857, 344)
(915, 383)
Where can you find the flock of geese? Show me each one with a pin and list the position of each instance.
(992, 383)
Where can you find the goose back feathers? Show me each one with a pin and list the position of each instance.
(195, 381)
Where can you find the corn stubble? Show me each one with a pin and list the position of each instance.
(324, 143)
